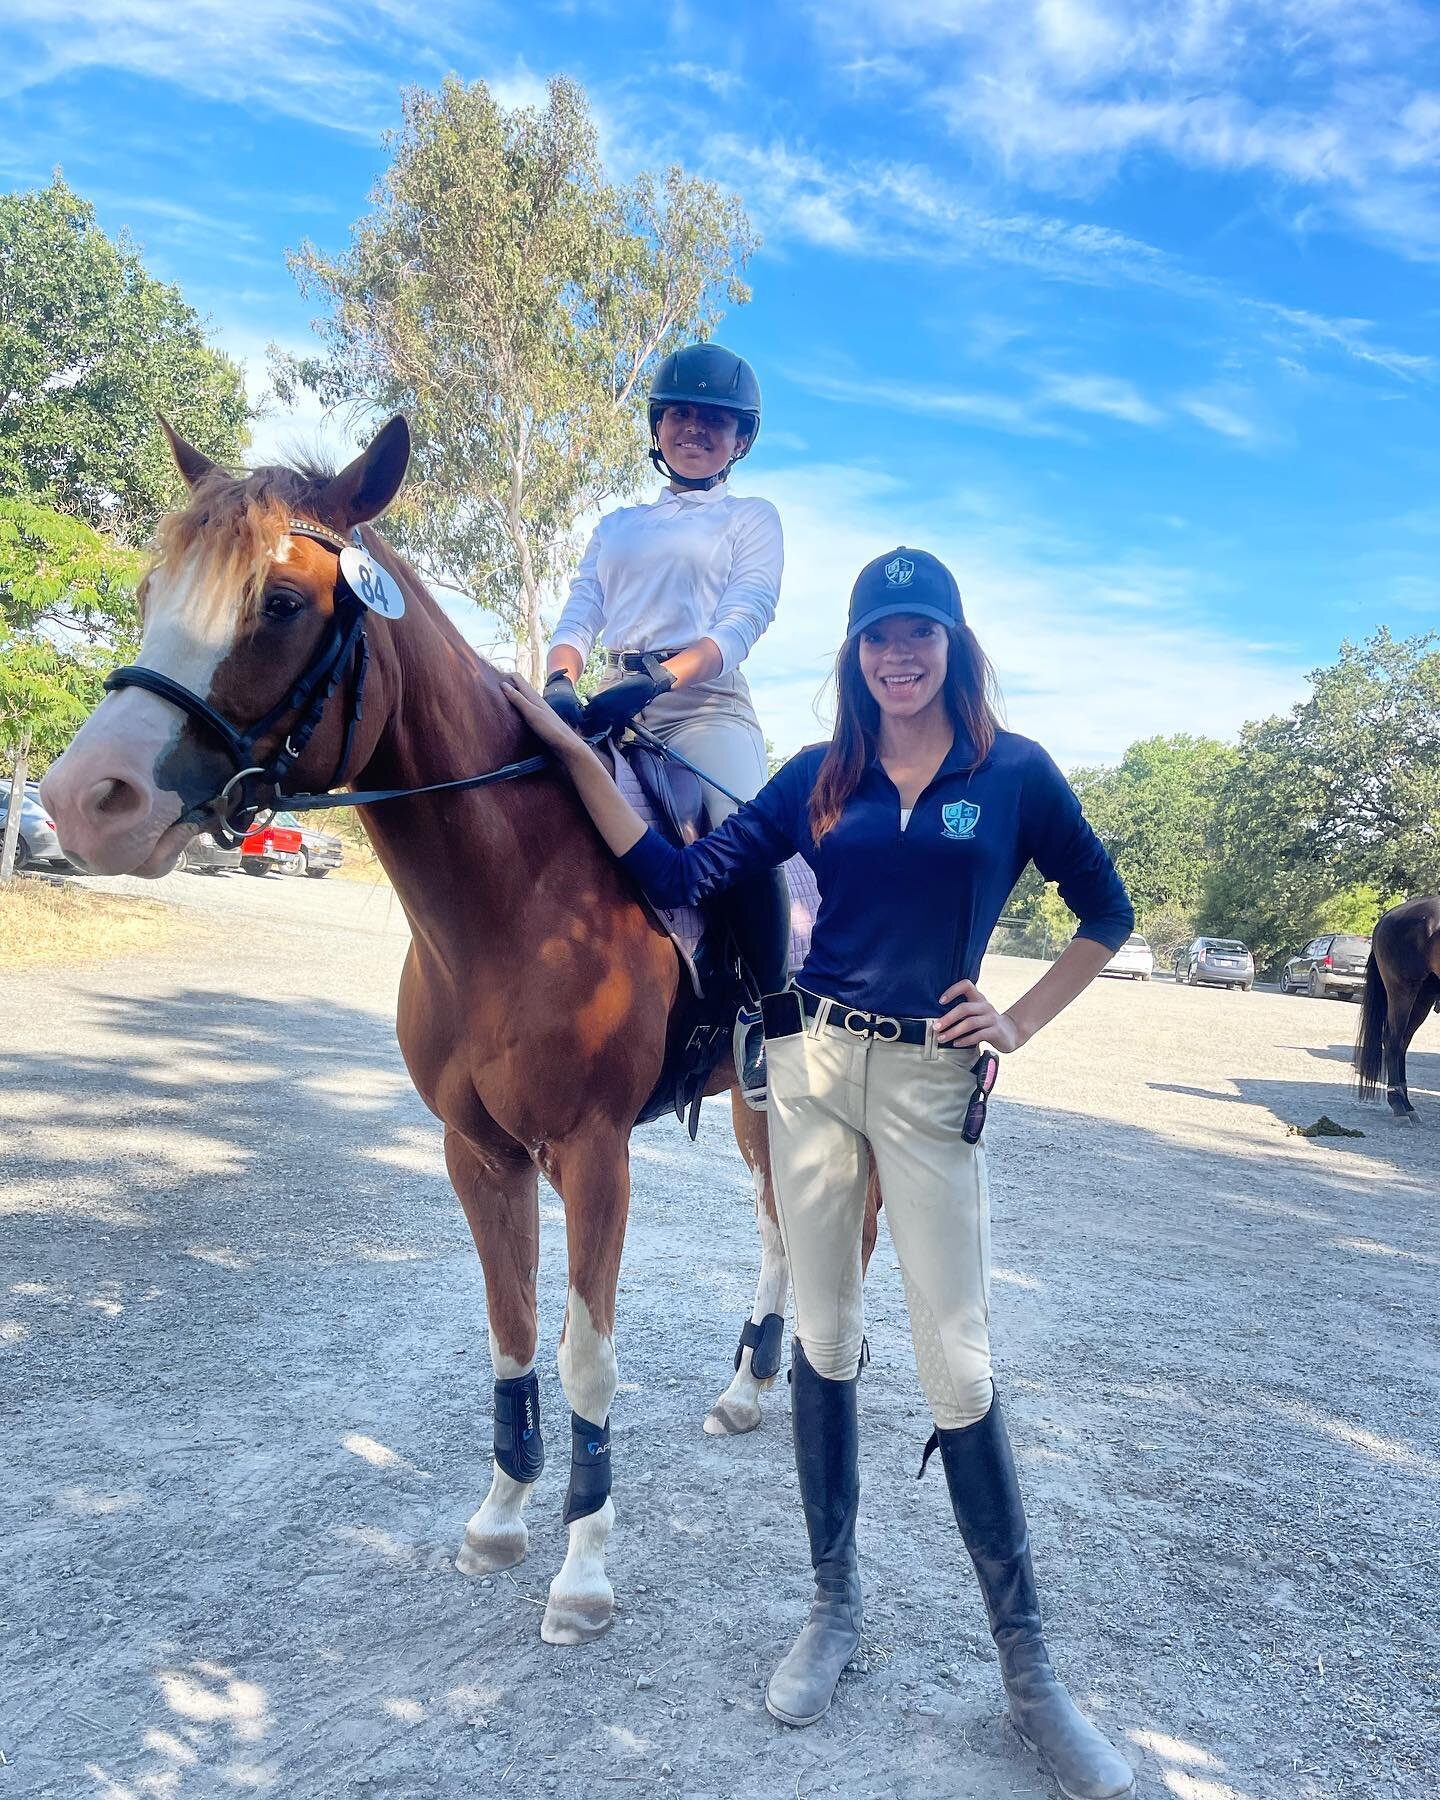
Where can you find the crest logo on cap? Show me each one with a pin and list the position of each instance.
(899, 571)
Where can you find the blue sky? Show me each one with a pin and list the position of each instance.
(1127, 308)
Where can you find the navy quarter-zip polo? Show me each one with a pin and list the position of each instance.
(904, 914)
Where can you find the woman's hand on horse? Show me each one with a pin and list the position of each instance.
(975, 1021)
(547, 725)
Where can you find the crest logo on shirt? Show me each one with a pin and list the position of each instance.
(899, 571)
(960, 817)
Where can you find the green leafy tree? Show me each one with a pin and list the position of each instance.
(1156, 811)
(511, 299)
(91, 348)
(67, 614)
(1340, 793)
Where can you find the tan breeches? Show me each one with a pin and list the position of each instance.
(713, 725)
(832, 1099)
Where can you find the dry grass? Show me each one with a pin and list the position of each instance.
(360, 862)
(43, 926)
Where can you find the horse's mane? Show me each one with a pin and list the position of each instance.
(231, 528)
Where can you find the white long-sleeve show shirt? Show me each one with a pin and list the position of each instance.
(686, 566)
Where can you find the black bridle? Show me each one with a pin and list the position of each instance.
(244, 796)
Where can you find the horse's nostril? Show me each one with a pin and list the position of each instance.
(113, 799)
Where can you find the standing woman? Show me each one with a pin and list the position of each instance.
(680, 589)
(918, 818)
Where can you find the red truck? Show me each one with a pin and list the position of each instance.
(268, 847)
(288, 847)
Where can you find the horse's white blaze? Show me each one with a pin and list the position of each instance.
(188, 634)
(589, 1372)
(738, 1408)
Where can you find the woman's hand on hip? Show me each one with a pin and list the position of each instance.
(975, 1021)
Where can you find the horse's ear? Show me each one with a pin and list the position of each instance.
(193, 464)
(364, 488)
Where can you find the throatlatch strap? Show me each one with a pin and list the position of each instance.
(519, 1447)
(589, 1487)
(764, 1339)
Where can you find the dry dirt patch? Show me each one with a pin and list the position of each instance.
(43, 924)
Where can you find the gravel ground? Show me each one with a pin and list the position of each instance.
(245, 1399)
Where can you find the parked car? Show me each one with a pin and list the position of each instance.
(1215, 962)
(1333, 964)
(1134, 959)
(38, 845)
(290, 848)
(203, 856)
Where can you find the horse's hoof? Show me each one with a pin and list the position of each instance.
(1405, 1118)
(579, 1619)
(486, 1552)
(732, 1418)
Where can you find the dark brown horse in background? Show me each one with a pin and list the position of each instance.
(537, 996)
(1402, 984)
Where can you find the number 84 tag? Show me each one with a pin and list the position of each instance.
(371, 585)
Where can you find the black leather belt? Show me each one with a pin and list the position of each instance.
(633, 661)
(785, 1014)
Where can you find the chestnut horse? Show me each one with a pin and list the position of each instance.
(537, 996)
(1402, 984)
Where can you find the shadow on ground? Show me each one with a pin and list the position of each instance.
(246, 1396)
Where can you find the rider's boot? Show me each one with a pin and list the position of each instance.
(756, 913)
(985, 1493)
(827, 1458)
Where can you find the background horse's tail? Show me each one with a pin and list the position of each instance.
(1370, 1039)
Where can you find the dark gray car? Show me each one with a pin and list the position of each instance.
(1215, 962)
(38, 846)
(1330, 965)
(203, 856)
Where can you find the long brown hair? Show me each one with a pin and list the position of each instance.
(972, 699)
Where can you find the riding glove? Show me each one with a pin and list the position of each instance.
(618, 704)
(561, 698)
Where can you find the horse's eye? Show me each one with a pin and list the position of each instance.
(283, 604)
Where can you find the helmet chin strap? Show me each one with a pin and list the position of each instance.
(699, 484)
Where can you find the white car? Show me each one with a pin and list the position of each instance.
(1134, 959)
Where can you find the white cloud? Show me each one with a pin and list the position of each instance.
(335, 63)
(1215, 416)
(1092, 653)
(1022, 415)
(1001, 411)
(1065, 92)
(907, 211)
(1104, 394)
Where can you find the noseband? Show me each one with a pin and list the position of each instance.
(244, 795)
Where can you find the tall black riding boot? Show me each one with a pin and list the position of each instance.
(827, 1458)
(756, 912)
(984, 1490)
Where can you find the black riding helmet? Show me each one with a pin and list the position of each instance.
(704, 375)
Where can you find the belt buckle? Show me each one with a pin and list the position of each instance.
(878, 1029)
(864, 1029)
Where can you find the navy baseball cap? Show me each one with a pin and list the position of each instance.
(904, 581)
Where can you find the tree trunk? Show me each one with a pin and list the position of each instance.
(17, 800)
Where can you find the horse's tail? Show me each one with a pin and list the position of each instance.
(1370, 1038)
